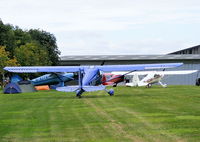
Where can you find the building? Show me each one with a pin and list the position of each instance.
(191, 62)
(191, 50)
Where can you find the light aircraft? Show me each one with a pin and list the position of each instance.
(112, 79)
(151, 77)
(53, 78)
(90, 76)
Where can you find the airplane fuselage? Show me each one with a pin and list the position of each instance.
(152, 78)
(148, 80)
(52, 78)
(89, 76)
(112, 79)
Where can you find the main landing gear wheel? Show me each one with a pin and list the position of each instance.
(111, 92)
(148, 86)
(78, 93)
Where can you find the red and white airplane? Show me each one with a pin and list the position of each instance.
(112, 79)
(151, 77)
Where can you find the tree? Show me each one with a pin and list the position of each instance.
(5, 61)
(13, 38)
(28, 48)
(48, 42)
(31, 54)
(7, 37)
(21, 37)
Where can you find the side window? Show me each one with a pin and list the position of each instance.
(156, 75)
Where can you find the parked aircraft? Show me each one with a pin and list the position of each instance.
(112, 79)
(151, 77)
(90, 76)
(53, 78)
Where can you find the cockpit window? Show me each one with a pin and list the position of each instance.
(156, 75)
(108, 77)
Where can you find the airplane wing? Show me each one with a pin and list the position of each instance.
(158, 72)
(177, 72)
(110, 68)
(31, 69)
(133, 73)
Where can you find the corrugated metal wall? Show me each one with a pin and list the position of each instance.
(189, 79)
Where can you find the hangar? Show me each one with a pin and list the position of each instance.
(191, 50)
(191, 62)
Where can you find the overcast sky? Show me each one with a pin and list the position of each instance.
(98, 27)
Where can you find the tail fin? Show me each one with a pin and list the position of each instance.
(135, 81)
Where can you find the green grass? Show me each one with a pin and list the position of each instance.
(133, 114)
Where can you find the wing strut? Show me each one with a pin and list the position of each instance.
(80, 90)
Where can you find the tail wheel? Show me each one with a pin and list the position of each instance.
(148, 86)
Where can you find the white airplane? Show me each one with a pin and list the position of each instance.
(151, 77)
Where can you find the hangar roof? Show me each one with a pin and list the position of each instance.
(131, 57)
(190, 50)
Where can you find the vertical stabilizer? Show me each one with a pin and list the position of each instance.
(135, 80)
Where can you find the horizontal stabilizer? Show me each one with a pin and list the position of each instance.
(93, 88)
(68, 88)
(75, 88)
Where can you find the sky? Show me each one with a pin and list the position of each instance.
(110, 27)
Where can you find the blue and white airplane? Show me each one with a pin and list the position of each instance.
(53, 78)
(90, 76)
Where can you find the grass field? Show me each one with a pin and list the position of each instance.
(133, 114)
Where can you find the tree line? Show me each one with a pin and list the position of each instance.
(32, 47)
